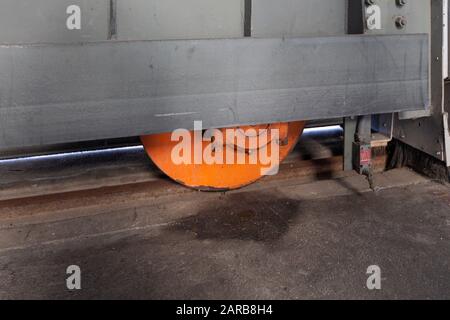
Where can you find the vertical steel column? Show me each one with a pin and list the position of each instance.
(112, 20)
(349, 138)
(355, 25)
(248, 18)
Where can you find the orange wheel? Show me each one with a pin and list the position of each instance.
(229, 159)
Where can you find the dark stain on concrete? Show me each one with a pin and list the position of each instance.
(242, 216)
(255, 245)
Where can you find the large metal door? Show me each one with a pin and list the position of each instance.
(104, 79)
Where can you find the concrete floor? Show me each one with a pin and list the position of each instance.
(312, 240)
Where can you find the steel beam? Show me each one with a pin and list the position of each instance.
(52, 94)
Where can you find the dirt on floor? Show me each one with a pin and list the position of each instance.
(271, 241)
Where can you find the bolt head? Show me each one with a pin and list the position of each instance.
(401, 22)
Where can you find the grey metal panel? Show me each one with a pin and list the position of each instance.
(416, 12)
(65, 93)
(34, 21)
(174, 19)
(427, 134)
(294, 18)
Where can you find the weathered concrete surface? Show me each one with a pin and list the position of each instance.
(300, 241)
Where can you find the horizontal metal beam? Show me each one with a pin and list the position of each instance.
(52, 94)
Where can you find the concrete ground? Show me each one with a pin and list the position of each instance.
(274, 240)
